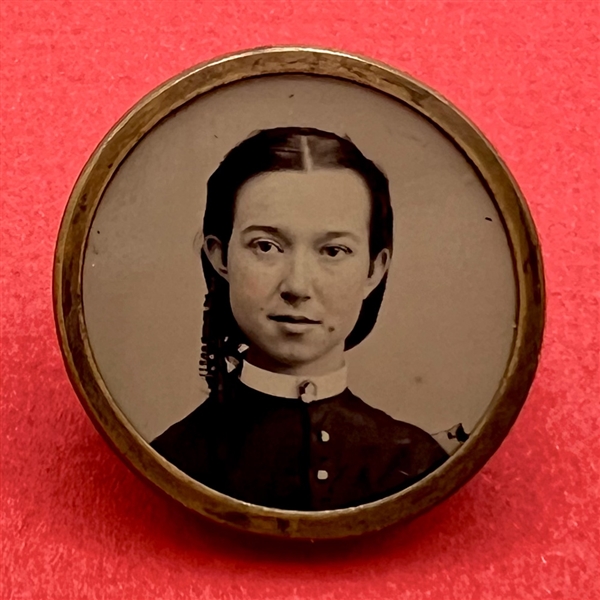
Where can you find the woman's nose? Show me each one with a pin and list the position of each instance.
(296, 283)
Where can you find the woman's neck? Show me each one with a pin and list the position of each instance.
(328, 363)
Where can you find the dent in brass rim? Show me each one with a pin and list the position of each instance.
(126, 441)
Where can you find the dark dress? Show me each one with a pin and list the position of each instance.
(288, 454)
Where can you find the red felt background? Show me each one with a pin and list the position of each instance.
(77, 524)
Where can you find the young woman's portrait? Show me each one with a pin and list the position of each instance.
(297, 242)
(299, 294)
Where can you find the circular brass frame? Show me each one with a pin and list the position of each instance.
(126, 441)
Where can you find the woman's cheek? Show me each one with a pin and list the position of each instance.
(347, 281)
(251, 279)
(345, 301)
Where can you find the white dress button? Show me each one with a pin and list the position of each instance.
(324, 436)
(322, 475)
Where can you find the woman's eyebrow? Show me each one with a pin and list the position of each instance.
(262, 228)
(330, 235)
(276, 231)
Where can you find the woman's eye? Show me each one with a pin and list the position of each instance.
(266, 247)
(336, 251)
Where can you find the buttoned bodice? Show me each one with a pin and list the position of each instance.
(286, 453)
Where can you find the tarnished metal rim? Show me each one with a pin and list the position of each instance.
(126, 441)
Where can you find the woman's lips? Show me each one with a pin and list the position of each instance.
(292, 324)
(294, 319)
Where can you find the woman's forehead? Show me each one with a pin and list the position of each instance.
(316, 200)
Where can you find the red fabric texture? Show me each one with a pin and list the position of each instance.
(77, 524)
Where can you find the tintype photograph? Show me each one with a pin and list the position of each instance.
(298, 237)
(300, 293)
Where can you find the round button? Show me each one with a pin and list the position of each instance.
(322, 475)
(324, 436)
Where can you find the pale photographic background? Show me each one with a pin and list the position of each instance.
(444, 333)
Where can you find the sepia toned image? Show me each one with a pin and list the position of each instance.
(298, 237)
(299, 293)
(306, 326)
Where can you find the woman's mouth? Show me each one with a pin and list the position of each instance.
(294, 324)
(294, 319)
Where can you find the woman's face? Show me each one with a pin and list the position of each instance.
(298, 266)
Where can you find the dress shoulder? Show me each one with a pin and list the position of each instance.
(187, 443)
(399, 442)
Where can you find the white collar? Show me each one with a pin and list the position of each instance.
(294, 386)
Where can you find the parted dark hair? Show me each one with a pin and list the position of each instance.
(280, 149)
